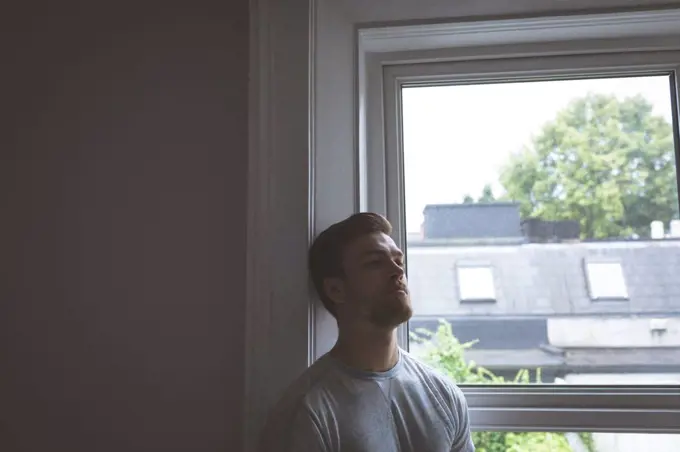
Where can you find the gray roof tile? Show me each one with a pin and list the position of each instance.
(546, 278)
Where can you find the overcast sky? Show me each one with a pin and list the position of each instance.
(457, 137)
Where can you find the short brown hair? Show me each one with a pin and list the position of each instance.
(326, 253)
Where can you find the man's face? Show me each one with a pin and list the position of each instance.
(374, 287)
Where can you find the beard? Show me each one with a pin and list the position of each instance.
(391, 311)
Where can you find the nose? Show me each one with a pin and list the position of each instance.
(397, 269)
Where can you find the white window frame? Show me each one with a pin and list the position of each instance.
(315, 66)
(607, 45)
(592, 285)
(461, 268)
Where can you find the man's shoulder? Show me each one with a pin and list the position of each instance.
(427, 373)
(294, 405)
(442, 389)
(297, 395)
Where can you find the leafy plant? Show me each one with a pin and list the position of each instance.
(442, 350)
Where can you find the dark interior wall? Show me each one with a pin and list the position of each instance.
(122, 226)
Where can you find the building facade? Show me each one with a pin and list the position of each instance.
(533, 295)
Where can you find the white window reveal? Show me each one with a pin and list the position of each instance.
(606, 281)
(343, 154)
(475, 283)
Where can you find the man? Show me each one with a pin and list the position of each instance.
(366, 394)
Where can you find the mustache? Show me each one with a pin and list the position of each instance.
(401, 285)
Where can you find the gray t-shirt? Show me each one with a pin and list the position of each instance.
(334, 408)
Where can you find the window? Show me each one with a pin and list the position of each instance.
(541, 179)
(606, 281)
(574, 170)
(313, 166)
(475, 283)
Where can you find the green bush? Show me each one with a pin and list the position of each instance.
(443, 351)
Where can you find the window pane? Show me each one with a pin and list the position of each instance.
(476, 284)
(606, 281)
(575, 442)
(543, 230)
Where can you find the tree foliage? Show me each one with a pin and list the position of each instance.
(445, 352)
(486, 197)
(605, 162)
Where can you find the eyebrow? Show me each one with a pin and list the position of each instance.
(382, 252)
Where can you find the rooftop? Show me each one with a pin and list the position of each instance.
(555, 278)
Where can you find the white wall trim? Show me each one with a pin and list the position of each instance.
(257, 271)
(543, 29)
(280, 194)
(311, 217)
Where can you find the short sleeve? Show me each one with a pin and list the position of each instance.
(291, 431)
(463, 439)
(305, 434)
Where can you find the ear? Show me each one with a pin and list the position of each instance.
(334, 289)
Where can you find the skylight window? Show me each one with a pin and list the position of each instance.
(475, 283)
(606, 281)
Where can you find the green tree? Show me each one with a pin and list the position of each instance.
(442, 350)
(487, 194)
(605, 162)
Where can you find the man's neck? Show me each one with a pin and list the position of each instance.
(367, 349)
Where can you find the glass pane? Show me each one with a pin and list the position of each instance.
(606, 280)
(575, 442)
(476, 284)
(543, 230)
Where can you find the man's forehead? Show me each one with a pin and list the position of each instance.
(374, 242)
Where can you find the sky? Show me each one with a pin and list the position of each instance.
(456, 138)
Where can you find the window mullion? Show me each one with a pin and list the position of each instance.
(575, 420)
(583, 408)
